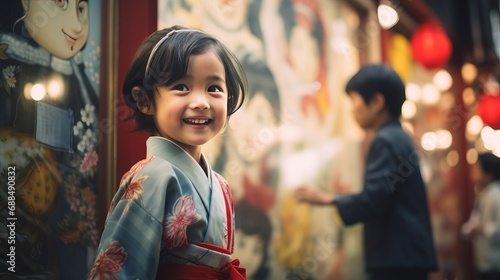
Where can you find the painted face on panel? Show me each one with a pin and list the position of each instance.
(255, 128)
(192, 110)
(363, 113)
(304, 54)
(250, 251)
(58, 26)
(230, 14)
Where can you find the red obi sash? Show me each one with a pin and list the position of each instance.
(232, 271)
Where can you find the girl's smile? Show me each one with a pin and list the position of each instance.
(192, 110)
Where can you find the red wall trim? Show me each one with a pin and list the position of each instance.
(136, 21)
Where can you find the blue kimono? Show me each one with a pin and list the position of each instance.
(167, 217)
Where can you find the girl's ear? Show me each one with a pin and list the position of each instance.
(142, 100)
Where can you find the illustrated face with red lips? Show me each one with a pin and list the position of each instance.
(58, 26)
(226, 13)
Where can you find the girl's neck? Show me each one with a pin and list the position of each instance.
(203, 165)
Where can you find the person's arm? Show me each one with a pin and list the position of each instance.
(468, 227)
(131, 240)
(315, 196)
(381, 179)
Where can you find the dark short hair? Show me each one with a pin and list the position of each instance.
(380, 78)
(169, 63)
(490, 164)
(262, 80)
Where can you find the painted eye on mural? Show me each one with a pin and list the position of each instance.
(63, 4)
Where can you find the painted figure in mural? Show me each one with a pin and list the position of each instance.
(249, 156)
(483, 226)
(393, 204)
(253, 236)
(306, 36)
(224, 19)
(48, 133)
(182, 87)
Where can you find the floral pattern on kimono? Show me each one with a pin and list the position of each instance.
(174, 230)
(109, 262)
(165, 205)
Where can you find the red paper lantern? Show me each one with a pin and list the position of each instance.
(430, 46)
(488, 108)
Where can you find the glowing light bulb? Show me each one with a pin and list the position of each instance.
(38, 92)
(442, 79)
(387, 16)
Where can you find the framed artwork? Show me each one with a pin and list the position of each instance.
(56, 134)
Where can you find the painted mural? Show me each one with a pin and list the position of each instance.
(295, 128)
(49, 80)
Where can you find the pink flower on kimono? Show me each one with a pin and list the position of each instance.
(174, 229)
(109, 262)
(134, 191)
(131, 173)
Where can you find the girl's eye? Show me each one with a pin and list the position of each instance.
(181, 87)
(214, 88)
(63, 4)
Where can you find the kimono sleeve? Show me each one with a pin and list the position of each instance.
(378, 186)
(131, 241)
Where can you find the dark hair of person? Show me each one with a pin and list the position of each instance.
(490, 164)
(379, 78)
(262, 81)
(252, 220)
(169, 63)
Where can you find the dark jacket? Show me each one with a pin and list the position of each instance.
(392, 205)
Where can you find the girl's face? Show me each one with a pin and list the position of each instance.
(192, 110)
(58, 26)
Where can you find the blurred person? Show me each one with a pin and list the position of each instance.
(393, 207)
(483, 226)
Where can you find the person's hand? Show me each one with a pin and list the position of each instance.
(340, 188)
(312, 195)
(477, 229)
(471, 228)
(467, 230)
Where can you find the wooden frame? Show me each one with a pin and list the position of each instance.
(107, 112)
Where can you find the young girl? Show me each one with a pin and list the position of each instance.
(172, 217)
(483, 225)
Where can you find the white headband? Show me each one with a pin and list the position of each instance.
(159, 44)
